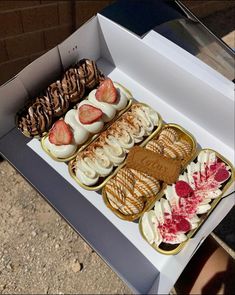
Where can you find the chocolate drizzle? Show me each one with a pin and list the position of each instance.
(57, 99)
(88, 71)
(36, 120)
(72, 85)
(38, 116)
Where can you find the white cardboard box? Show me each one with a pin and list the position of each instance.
(180, 87)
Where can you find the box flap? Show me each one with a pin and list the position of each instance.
(12, 96)
(142, 16)
(200, 93)
(84, 43)
(41, 72)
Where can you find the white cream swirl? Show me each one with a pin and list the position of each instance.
(85, 173)
(60, 151)
(121, 102)
(147, 116)
(80, 134)
(108, 110)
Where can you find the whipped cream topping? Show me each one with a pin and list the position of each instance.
(121, 136)
(103, 165)
(177, 214)
(129, 189)
(80, 134)
(134, 127)
(115, 153)
(108, 109)
(121, 102)
(91, 165)
(85, 172)
(124, 139)
(60, 151)
(146, 117)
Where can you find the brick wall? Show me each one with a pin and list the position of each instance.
(207, 7)
(30, 28)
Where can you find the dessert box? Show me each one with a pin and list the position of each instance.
(178, 86)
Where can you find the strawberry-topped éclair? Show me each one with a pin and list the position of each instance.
(88, 118)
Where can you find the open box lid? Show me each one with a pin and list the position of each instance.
(180, 79)
(181, 92)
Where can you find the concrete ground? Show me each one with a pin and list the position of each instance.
(40, 253)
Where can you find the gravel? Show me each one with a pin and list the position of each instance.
(39, 252)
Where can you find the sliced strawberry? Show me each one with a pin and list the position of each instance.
(222, 175)
(183, 189)
(106, 92)
(88, 114)
(60, 133)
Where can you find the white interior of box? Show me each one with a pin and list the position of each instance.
(180, 87)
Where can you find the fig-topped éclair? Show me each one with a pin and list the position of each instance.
(111, 147)
(90, 116)
(37, 117)
(179, 210)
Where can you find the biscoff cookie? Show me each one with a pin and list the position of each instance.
(153, 164)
